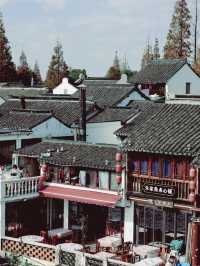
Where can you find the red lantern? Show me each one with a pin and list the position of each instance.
(118, 179)
(192, 197)
(42, 179)
(192, 172)
(118, 168)
(118, 157)
(192, 185)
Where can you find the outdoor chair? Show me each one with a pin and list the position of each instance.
(44, 234)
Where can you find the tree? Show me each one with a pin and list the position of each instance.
(178, 38)
(7, 67)
(58, 69)
(147, 56)
(196, 65)
(114, 71)
(24, 73)
(37, 79)
(156, 49)
(75, 74)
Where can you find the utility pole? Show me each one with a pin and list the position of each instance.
(195, 33)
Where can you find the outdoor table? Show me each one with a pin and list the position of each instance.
(103, 255)
(60, 232)
(150, 262)
(32, 238)
(112, 241)
(146, 251)
(70, 247)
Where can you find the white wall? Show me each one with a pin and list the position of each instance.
(51, 128)
(103, 132)
(129, 223)
(177, 84)
(133, 96)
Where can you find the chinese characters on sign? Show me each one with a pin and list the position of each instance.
(160, 190)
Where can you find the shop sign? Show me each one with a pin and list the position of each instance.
(159, 190)
(162, 203)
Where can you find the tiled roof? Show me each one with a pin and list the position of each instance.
(114, 114)
(159, 71)
(173, 130)
(22, 121)
(76, 154)
(107, 95)
(144, 110)
(67, 111)
(6, 92)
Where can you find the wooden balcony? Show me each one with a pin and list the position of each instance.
(180, 187)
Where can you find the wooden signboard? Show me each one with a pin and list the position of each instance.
(159, 190)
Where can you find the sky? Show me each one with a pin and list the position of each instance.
(90, 30)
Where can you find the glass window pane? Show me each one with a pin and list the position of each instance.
(135, 165)
(166, 168)
(154, 168)
(113, 183)
(144, 167)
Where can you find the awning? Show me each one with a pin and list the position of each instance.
(80, 195)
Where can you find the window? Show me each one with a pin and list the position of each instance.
(113, 183)
(135, 166)
(144, 167)
(155, 168)
(187, 88)
(178, 170)
(166, 168)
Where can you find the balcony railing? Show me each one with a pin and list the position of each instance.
(23, 188)
(181, 186)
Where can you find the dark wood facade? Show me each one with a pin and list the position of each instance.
(161, 171)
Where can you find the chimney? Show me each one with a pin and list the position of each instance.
(82, 98)
(23, 102)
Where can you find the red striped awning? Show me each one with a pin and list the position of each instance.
(80, 195)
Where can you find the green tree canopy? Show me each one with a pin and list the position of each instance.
(37, 79)
(58, 69)
(178, 38)
(147, 56)
(7, 67)
(114, 71)
(24, 73)
(196, 66)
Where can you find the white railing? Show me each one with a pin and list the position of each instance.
(19, 188)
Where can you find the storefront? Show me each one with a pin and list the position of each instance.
(100, 220)
(160, 224)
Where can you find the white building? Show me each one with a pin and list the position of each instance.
(173, 78)
(64, 88)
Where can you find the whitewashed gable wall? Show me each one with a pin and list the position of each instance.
(177, 84)
(103, 132)
(51, 128)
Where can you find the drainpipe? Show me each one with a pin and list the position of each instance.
(82, 99)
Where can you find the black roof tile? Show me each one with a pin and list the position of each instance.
(107, 95)
(174, 129)
(67, 111)
(76, 154)
(159, 71)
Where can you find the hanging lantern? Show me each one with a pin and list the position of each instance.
(192, 185)
(192, 172)
(42, 179)
(192, 197)
(43, 170)
(118, 168)
(118, 179)
(118, 157)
